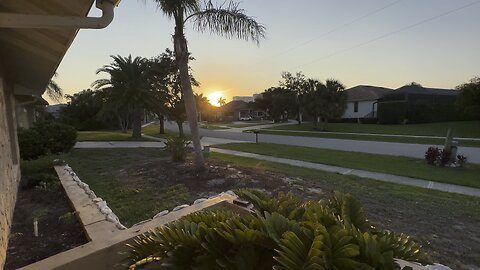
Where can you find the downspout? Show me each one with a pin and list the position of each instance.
(14, 20)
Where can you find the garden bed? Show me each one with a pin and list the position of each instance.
(58, 227)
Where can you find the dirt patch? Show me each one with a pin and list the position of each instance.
(58, 227)
(219, 177)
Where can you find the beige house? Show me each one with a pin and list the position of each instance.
(362, 101)
(34, 37)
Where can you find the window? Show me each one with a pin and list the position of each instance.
(355, 106)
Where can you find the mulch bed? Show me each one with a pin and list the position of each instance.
(59, 229)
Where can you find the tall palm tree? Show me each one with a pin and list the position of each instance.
(226, 20)
(129, 88)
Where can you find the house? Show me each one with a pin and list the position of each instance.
(26, 110)
(55, 110)
(34, 37)
(417, 104)
(244, 98)
(240, 110)
(362, 101)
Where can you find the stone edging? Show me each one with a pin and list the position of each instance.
(99, 202)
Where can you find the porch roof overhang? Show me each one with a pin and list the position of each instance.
(31, 56)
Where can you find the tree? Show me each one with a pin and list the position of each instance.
(128, 89)
(277, 102)
(332, 102)
(312, 98)
(168, 94)
(84, 111)
(468, 101)
(226, 20)
(296, 84)
(221, 101)
(54, 91)
(205, 108)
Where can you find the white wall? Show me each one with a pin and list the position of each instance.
(364, 108)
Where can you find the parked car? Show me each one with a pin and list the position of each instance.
(246, 118)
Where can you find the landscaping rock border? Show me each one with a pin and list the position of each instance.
(99, 202)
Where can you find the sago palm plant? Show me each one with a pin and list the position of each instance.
(282, 233)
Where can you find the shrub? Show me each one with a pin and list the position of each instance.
(39, 172)
(437, 157)
(30, 143)
(432, 155)
(392, 112)
(177, 147)
(283, 233)
(444, 158)
(462, 160)
(46, 138)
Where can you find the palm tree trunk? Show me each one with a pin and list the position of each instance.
(161, 118)
(181, 54)
(137, 124)
(122, 125)
(181, 134)
(324, 125)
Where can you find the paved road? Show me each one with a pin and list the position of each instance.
(384, 148)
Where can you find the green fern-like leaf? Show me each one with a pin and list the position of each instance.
(296, 253)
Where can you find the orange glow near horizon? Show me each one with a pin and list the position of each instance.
(214, 97)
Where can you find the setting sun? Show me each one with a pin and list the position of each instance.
(214, 97)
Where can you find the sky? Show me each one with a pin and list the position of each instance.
(386, 43)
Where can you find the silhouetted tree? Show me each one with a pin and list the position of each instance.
(468, 100)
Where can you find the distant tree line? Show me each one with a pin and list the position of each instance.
(133, 87)
(297, 95)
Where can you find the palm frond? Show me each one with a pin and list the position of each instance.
(175, 8)
(54, 91)
(227, 20)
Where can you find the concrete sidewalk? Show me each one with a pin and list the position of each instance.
(158, 143)
(119, 144)
(366, 174)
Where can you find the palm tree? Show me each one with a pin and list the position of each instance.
(128, 89)
(54, 91)
(226, 20)
(312, 99)
(333, 101)
(221, 101)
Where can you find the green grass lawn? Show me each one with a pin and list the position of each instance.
(105, 136)
(376, 138)
(468, 129)
(132, 198)
(416, 168)
(154, 131)
(214, 127)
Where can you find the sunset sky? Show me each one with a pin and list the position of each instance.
(376, 42)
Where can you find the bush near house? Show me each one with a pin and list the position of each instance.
(392, 112)
(46, 138)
